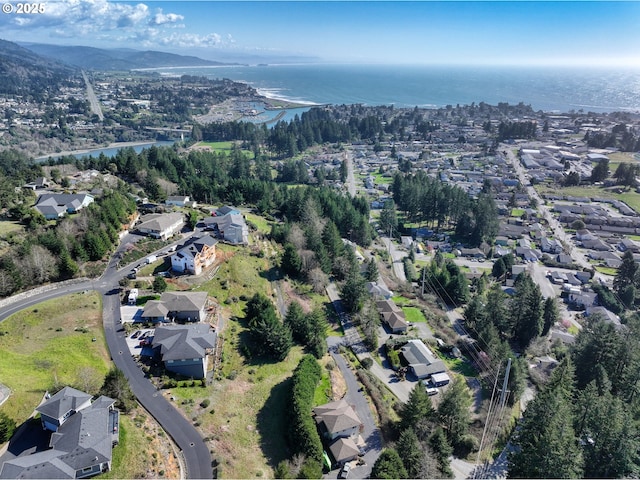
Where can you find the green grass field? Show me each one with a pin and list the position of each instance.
(631, 198)
(7, 227)
(414, 315)
(517, 212)
(51, 345)
(262, 224)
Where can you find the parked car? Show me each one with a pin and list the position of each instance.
(432, 391)
(136, 334)
(344, 472)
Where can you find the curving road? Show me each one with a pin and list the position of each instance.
(197, 458)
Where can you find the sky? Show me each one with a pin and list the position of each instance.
(570, 33)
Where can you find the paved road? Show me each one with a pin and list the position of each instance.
(396, 255)
(93, 100)
(197, 458)
(370, 432)
(351, 179)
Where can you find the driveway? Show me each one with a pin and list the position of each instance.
(370, 432)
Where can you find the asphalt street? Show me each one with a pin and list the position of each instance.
(196, 455)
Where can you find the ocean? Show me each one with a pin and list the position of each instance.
(548, 89)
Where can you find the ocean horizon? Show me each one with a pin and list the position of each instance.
(550, 89)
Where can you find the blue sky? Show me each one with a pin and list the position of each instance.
(416, 32)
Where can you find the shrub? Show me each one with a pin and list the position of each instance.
(205, 403)
(367, 363)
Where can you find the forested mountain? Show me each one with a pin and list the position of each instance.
(24, 72)
(114, 59)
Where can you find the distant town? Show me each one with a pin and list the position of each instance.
(359, 292)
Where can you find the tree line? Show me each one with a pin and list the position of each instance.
(588, 411)
(444, 206)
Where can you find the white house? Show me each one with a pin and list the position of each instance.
(161, 225)
(56, 205)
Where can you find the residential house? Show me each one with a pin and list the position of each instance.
(584, 234)
(161, 225)
(179, 201)
(58, 408)
(420, 359)
(230, 228)
(583, 299)
(344, 450)
(392, 315)
(81, 445)
(179, 306)
(195, 255)
(337, 420)
(56, 205)
(605, 315)
(155, 311)
(185, 349)
(39, 183)
(226, 210)
(379, 290)
(628, 244)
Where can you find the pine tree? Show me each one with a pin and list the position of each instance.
(417, 407)
(410, 451)
(453, 411)
(546, 445)
(388, 466)
(550, 315)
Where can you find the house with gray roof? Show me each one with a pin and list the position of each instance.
(230, 228)
(81, 445)
(56, 205)
(185, 349)
(161, 225)
(57, 409)
(421, 361)
(337, 420)
(184, 306)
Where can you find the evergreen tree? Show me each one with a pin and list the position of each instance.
(627, 273)
(388, 466)
(116, 386)
(410, 451)
(372, 270)
(550, 315)
(417, 407)
(546, 445)
(296, 321)
(291, 263)
(7, 427)
(453, 411)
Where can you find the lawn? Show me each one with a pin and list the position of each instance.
(7, 227)
(607, 270)
(517, 212)
(262, 224)
(216, 145)
(400, 300)
(631, 198)
(52, 344)
(247, 418)
(414, 315)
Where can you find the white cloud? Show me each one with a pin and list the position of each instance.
(162, 19)
(111, 22)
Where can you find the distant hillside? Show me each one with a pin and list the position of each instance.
(24, 72)
(91, 58)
